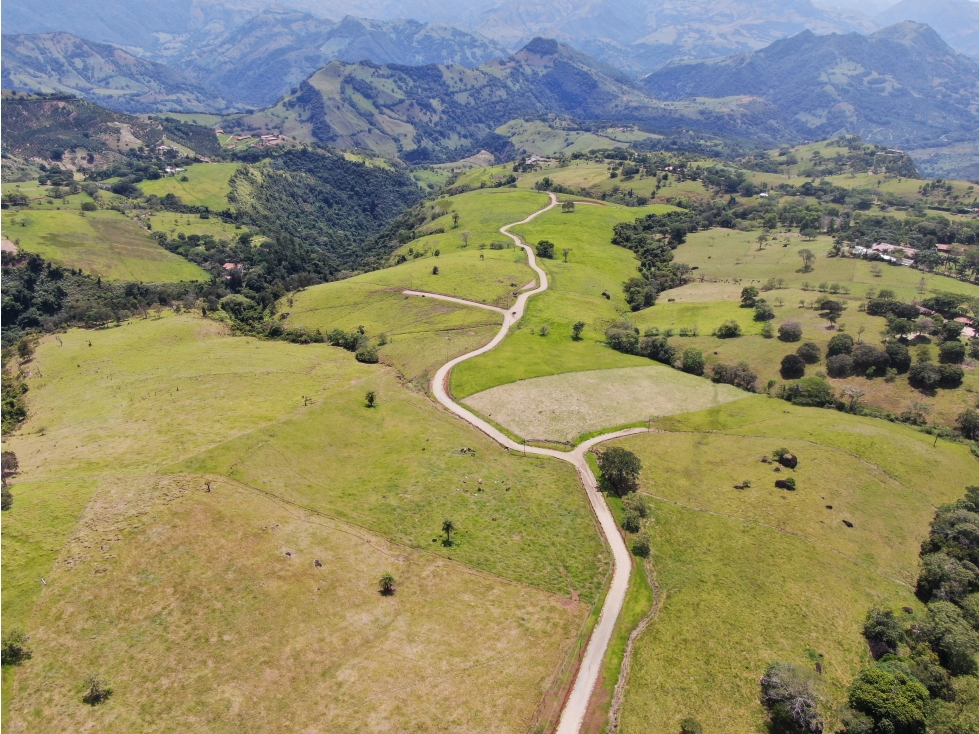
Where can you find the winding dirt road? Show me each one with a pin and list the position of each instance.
(576, 705)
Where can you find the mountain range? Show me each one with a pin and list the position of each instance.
(901, 86)
(436, 113)
(99, 72)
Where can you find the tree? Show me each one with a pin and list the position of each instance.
(809, 352)
(371, 398)
(545, 249)
(793, 367)
(889, 693)
(789, 694)
(98, 691)
(435, 270)
(764, 312)
(968, 423)
(464, 234)
(631, 522)
(367, 354)
(566, 251)
(901, 327)
(808, 258)
(386, 584)
(8, 464)
(693, 361)
(567, 207)
(620, 470)
(13, 648)
(853, 394)
(954, 639)
(870, 361)
(951, 352)
(728, 330)
(883, 631)
(790, 331)
(839, 366)
(448, 527)
(641, 546)
(455, 222)
(840, 344)
(638, 504)
(748, 296)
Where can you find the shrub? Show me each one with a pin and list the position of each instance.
(371, 398)
(641, 545)
(435, 270)
(97, 691)
(790, 331)
(951, 352)
(658, 348)
(624, 340)
(764, 312)
(883, 632)
(631, 522)
(740, 375)
(809, 352)
(945, 578)
(367, 355)
(89, 206)
(811, 391)
(899, 356)
(637, 503)
(339, 338)
(789, 694)
(749, 296)
(620, 470)
(545, 249)
(13, 649)
(868, 360)
(840, 344)
(577, 329)
(691, 726)
(728, 330)
(693, 361)
(793, 367)
(544, 330)
(840, 365)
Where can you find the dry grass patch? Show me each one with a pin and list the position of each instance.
(563, 407)
(206, 612)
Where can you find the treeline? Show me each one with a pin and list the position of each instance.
(859, 157)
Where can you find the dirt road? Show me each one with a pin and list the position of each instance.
(576, 705)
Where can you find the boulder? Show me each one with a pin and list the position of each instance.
(789, 461)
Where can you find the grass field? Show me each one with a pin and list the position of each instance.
(104, 243)
(172, 224)
(577, 403)
(733, 257)
(759, 574)
(594, 266)
(110, 510)
(208, 185)
(540, 138)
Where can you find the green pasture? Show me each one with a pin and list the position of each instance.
(758, 574)
(173, 224)
(575, 294)
(731, 256)
(128, 424)
(104, 243)
(208, 185)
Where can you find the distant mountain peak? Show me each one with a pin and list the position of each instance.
(541, 47)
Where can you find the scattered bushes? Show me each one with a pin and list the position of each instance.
(790, 331)
(657, 348)
(350, 341)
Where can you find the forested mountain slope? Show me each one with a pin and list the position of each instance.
(437, 113)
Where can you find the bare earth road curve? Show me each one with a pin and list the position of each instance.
(573, 714)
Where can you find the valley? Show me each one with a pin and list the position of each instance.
(385, 375)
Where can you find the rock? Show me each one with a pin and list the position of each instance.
(778, 468)
(907, 610)
(829, 507)
(789, 461)
(848, 523)
(782, 483)
(318, 563)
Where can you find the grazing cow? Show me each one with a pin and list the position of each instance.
(670, 300)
